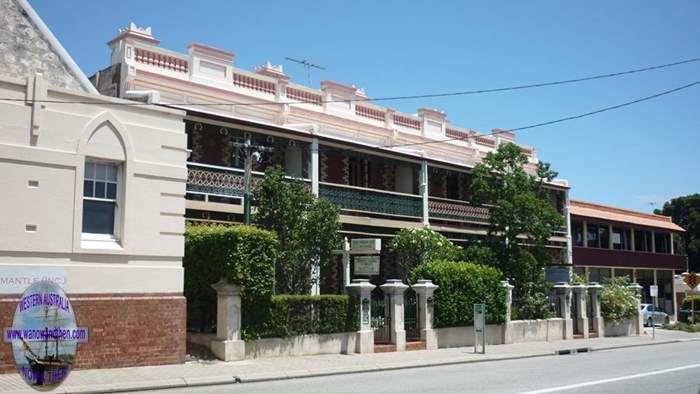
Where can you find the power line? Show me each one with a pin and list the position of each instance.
(564, 119)
(389, 98)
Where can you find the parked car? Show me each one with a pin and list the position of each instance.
(652, 315)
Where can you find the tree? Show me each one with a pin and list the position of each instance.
(306, 227)
(685, 212)
(414, 246)
(522, 217)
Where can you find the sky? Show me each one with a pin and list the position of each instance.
(633, 157)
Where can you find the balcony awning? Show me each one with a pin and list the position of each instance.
(613, 214)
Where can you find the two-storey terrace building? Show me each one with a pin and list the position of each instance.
(647, 248)
(386, 170)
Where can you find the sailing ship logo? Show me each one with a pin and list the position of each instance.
(44, 335)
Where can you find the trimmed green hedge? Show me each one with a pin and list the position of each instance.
(291, 315)
(244, 255)
(461, 286)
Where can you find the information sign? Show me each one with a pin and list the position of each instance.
(366, 265)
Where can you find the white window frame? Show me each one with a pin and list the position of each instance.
(114, 237)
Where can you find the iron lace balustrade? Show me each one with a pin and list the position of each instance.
(210, 180)
(382, 202)
(455, 210)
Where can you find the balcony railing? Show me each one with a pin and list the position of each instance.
(352, 198)
(210, 180)
(443, 208)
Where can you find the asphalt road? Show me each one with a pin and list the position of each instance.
(670, 368)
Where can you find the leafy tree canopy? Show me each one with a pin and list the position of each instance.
(306, 227)
(414, 246)
(522, 215)
(685, 212)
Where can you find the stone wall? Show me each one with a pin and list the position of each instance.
(126, 330)
(25, 51)
(540, 330)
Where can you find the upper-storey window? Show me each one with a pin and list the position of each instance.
(642, 241)
(621, 238)
(662, 242)
(100, 191)
(592, 236)
(577, 233)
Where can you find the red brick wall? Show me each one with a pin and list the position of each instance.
(126, 330)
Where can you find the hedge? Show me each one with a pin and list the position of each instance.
(291, 315)
(243, 255)
(618, 301)
(461, 285)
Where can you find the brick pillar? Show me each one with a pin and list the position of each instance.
(361, 289)
(424, 290)
(394, 288)
(563, 291)
(594, 289)
(228, 345)
(579, 292)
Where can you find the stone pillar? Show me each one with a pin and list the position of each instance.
(579, 292)
(424, 191)
(563, 291)
(640, 322)
(228, 345)
(394, 289)
(594, 289)
(361, 289)
(424, 290)
(507, 326)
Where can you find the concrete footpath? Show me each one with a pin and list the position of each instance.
(216, 372)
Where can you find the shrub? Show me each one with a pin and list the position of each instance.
(291, 315)
(461, 286)
(617, 300)
(534, 303)
(688, 301)
(244, 255)
(415, 246)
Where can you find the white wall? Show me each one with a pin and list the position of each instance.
(42, 186)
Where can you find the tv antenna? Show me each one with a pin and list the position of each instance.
(307, 66)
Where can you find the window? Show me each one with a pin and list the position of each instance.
(592, 236)
(577, 233)
(100, 190)
(621, 238)
(663, 242)
(642, 241)
(604, 232)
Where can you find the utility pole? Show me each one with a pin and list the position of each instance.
(250, 152)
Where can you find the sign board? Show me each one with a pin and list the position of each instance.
(366, 265)
(366, 246)
(557, 273)
(692, 280)
(654, 291)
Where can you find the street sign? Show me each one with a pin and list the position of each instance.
(366, 265)
(366, 246)
(654, 290)
(479, 327)
(692, 280)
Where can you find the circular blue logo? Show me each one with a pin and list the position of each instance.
(44, 335)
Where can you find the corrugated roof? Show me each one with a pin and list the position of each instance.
(604, 212)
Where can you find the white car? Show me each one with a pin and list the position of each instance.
(652, 315)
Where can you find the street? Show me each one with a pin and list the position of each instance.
(669, 368)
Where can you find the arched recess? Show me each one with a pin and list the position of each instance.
(105, 137)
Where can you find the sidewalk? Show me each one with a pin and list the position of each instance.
(217, 372)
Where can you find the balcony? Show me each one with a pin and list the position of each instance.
(216, 181)
(456, 210)
(627, 259)
(382, 202)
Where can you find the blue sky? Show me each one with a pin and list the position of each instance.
(630, 157)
